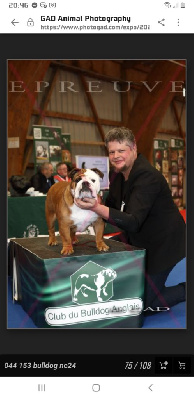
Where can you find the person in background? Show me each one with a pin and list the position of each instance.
(140, 203)
(43, 179)
(62, 172)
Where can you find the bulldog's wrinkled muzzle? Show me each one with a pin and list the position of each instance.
(85, 189)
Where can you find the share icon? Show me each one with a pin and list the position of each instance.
(162, 22)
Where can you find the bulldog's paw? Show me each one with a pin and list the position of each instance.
(75, 240)
(52, 242)
(67, 250)
(101, 246)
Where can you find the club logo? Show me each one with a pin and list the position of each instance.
(31, 231)
(92, 283)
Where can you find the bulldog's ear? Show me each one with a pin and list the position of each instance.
(98, 172)
(73, 172)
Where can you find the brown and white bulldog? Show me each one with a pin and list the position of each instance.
(71, 219)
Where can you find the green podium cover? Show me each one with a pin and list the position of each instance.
(87, 289)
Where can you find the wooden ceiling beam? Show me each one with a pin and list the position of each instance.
(79, 118)
(125, 99)
(47, 94)
(92, 105)
(178, 119)
(77, 69)
(150, 107)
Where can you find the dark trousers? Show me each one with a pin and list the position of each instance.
(158, 295)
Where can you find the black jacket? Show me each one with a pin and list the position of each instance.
(150, 218)
(39, 182)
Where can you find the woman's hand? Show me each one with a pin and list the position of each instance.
(86, 203)
(93, 205)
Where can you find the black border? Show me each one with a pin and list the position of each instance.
(98, 46)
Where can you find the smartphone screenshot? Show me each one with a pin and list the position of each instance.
(97, 200)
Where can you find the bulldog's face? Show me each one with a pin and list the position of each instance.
(85, 183)
(110, 274)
